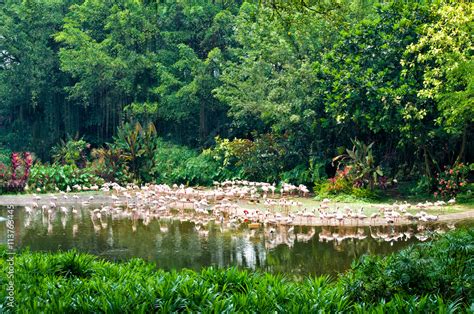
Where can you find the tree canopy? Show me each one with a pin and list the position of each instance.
(317, 74)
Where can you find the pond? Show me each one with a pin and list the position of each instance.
(174, 243)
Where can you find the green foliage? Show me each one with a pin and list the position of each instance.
(432, 277)
(5, 155)
(137, 145)
(361, 169)
(70, 152)
(32, 97)
(298, 175)
(358, 177)
(467, 195)
(445, 50)
(199, 170)
(422, 187)
(178, 164)
(366, 194)
(292, 80)
(52, 177)
(110, 163)
(263, 159)
(443, 268)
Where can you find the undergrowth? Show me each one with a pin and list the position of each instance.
(432, 277)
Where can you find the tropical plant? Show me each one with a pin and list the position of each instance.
(440, 268)
(55, 176)
(138, 146)
(110, 163)
(178, 164)
(71, 152)
(430, 277)
(262, 159)
(362, 169)
(15, 177)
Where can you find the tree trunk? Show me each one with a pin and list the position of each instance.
(463, 146)
(427, 162)
(202, 122)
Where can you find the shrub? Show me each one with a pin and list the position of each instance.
(138, 145)
(339, 184)
(5, 154)
(360, 167)
(467, 194)
(444, 267)
(198, 170)
(50, 177)
(110, 163)
(302, 174)
(450, 182)
(170, 162)
(15, 177)
(178, 164)
(433, 277)
(263, 159)
(71, 152)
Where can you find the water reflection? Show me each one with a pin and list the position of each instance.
(175, 242)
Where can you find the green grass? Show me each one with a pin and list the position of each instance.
(432, 277)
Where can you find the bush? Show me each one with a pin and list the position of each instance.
(366, 194)
(199, 170)
(451, 181)
(264, 159)
(110, 163)
(178, 164)
(170, 162)
(5, 154)
(444, 267)
(360, 167)
(71, 152)
(50, 177)
(15, 177)
(340, 184)
(302, 174)
(138, 145)
(433, 277)
(467, 194)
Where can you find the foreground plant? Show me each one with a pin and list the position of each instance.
(434, 277)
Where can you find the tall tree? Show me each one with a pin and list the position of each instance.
(445, 53)
(33, 106)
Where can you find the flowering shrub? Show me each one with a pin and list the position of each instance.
(450, 181)
(347, 182)
(14, 179)
(342, 181)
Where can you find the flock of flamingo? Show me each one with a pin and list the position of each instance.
(232, 202)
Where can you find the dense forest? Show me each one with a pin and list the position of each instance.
(258, 90)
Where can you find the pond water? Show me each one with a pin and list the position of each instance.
(174, 243)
